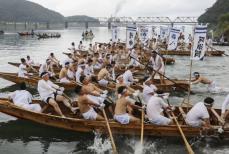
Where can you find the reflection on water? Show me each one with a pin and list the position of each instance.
(18, 136)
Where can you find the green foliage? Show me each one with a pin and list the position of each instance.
(26, 11)
(22, 10)
(212, 14)
(223, 25)
(218, 17)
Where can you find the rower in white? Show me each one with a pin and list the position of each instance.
(157, 63)
(23, 99)
(29, 61)
(51, 94)
(128, 76)
(155, 108)
(149, 90)
(198, 116)
(22, 72)
(122, 103)
(224, 111)
(47, 67)
(63, 74)
(134, 60)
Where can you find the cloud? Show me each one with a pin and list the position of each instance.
(135, 8)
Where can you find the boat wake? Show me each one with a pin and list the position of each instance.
(138, 148)
(100, 145)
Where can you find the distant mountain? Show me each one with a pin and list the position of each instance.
(80, 18)
(218, 17)
(213, 13)
(22, 10)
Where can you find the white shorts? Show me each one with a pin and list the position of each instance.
(123, 118)
(90, 115)
(64, 80)
(160, 120)
(95, 99)
(31, 107)
(213, 88)
(103, 82)
(134, 62)
(194, 123)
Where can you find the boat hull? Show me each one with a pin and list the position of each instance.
(81, 125)
(187, 53)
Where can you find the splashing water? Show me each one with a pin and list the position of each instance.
(100, 146)
(138, 148)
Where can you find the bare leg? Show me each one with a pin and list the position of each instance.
(65, 101)
(99, 118)
(56, 107)
(134, 119)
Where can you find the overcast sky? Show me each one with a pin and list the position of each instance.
(132, 8)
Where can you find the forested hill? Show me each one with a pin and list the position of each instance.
(213, 13)
(22, 10)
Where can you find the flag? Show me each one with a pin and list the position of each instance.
(164, 31)
(114, 33)
(199, 46)
(173, 39)
(130, 36)
(144, 34)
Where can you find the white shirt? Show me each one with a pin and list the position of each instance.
(67, 60)
(147, 90)
(225, 103)
(128, 77)
(89, 70)
(30, 62)
(133, 54)
(46, 89)
(22, 71)
(80, 47)
(43, 68)
(78, 74)
(155, 107)
(197, 113)
(157, 63)
(70, 74)
(21, 97)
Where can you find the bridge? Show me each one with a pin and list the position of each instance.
(123, 21)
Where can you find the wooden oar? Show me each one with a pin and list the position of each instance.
(110, 133)
(142, 120)
(162, 75)
(142, 126)
(216, 50)
(187, 145)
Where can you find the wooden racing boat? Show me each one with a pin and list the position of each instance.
(32, 81)
(187, 53)
(74, 122)
(36, 67)
(169, 86)
(25, 33)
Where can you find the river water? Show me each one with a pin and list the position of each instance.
(19, 136)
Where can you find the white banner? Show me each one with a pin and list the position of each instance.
(130, 36)
(199, 46)
(173, 39)
(164, 31)
(114, 33)
(144, 34)
(153, 32)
